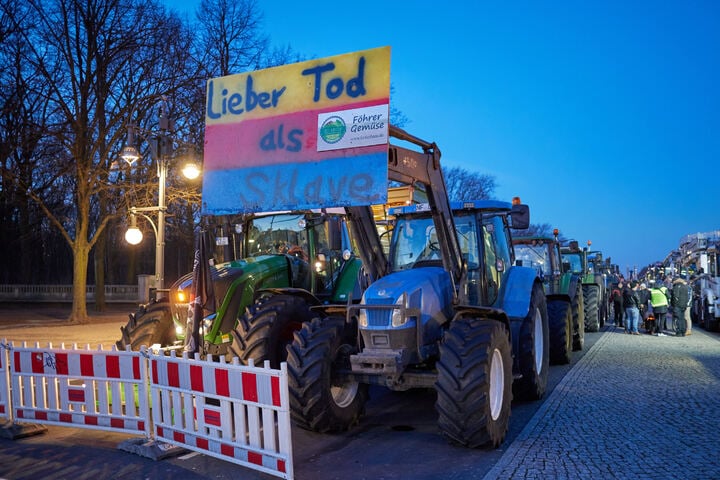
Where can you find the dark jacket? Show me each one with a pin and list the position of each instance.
(644, 297)
(630, 298)
(679, 297)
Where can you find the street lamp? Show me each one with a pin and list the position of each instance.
(161, 148)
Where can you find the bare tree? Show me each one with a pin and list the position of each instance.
(230, 38)
(462, 184)
(102, 63)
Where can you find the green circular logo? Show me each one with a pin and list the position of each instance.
(333, 129)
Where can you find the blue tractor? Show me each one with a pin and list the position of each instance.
(449, 312)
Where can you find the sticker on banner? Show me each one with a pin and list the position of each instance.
(358, 127)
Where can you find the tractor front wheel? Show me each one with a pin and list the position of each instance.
(152, 324)
(592, 309)
(474, 385)
(578, 318)
(561, 340)
(534, 352)
(267, 328)
(323, 395)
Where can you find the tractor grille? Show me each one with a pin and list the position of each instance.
(381, 315)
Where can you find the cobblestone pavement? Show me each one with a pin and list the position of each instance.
(635, 407)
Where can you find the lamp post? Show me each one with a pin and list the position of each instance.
(161, 148)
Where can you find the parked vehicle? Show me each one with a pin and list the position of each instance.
(452, 313)
(699, 257)
(563, 294)
(594, 284)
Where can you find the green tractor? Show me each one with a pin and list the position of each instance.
(583, 263)
(563, 293)
(306, 252)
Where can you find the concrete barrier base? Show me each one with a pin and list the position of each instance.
(151, 448)
(12, 431)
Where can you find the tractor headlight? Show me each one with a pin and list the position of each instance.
(208, 322)
(398, 316)
(363, 318)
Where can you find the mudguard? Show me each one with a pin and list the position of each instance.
(567, 288)
(515, 293)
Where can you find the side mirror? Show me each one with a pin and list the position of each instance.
(520, 215)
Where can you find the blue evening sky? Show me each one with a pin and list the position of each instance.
(603, 116)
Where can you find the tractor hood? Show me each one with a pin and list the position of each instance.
(261, 271)
(423, 291)
(401, 319)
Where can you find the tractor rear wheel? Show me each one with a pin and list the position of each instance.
(711, 323)
(267, 328)
(578, 318)
(592, 310)
(534, 352)
(323, 396)
(474, 385)
(561, 340)
(151, 324)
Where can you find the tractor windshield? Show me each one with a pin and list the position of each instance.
(575, 261)
(535, 255)
(277, 234)
(413, 240)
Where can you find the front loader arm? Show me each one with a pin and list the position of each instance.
(411, 168)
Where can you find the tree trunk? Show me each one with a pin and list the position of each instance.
(79, 314)
(99, 261)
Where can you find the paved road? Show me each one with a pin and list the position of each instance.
(608, 415)
(635, 407)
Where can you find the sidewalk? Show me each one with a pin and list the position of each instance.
(635, 407)
(20, 322)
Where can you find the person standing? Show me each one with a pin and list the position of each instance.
(659, 303)
(644, 296)
(688, 317)
(679, 303)
(632, 310)
(617, 301)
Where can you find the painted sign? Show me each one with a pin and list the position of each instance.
(307, 135)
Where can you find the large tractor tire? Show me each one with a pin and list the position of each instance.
(321, 400)
(151, 324)
(267, 328)
(560, 321)
(578, 318)
(474, 385)
(592, 307)
(603, 310)
(709, 320)
(534, 352)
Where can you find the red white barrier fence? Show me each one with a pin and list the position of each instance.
(236, 413)
(84, 388)
(4, 384)
(228, 411)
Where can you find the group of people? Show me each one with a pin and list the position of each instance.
(634, 302)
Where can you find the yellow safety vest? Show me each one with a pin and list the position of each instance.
(658, 298)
